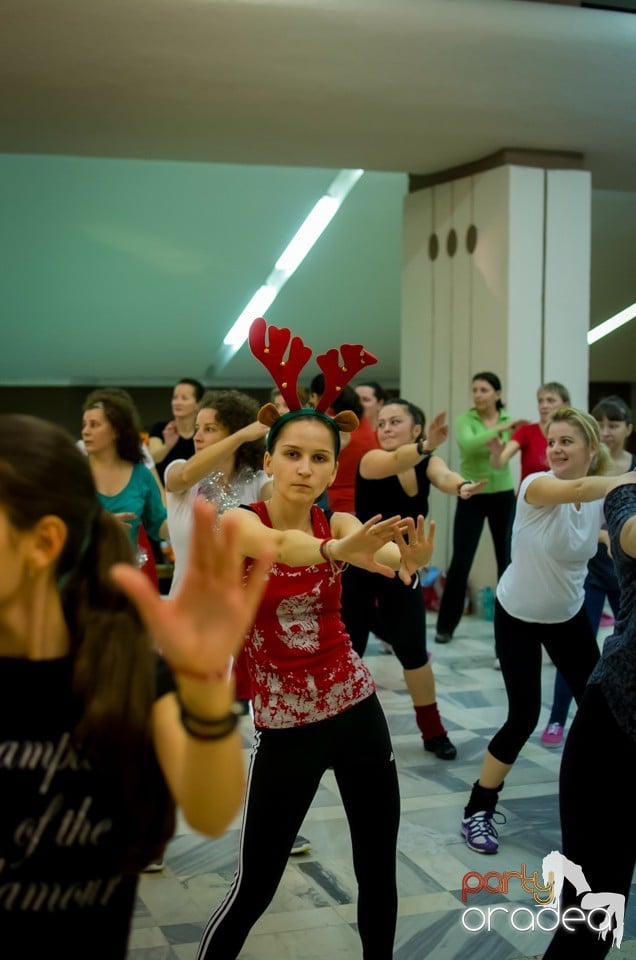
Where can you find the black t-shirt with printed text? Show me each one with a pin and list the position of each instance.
(62, 827)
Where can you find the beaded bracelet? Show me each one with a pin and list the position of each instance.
(216, 729)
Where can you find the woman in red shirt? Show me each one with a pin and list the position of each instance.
(530, 438)
(314, 700)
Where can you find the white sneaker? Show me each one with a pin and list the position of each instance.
(300, 845)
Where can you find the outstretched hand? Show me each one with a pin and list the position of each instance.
(415, 545)
(360, 546)
(437, 431)
(205, 623)
(468, 490)
(512, 425)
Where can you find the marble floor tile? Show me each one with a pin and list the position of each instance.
(313, 914)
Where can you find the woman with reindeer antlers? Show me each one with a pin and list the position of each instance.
(314, 700)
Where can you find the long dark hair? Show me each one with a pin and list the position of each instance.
(114, 669)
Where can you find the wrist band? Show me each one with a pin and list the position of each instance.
(462, 484)
(421, 452)
(216, 729)
(336, 565)
(220, 733)
(322, 550)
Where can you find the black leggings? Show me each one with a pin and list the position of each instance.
(470, 515)
(285, 770)
(598, 827)
(388, 607)
(573, 650)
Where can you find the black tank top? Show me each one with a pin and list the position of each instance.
(387, 496)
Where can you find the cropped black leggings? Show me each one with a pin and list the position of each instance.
(285, 770)
(388, 607)
(573, 650)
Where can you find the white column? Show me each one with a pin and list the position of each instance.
(518, 304)
(567, 280)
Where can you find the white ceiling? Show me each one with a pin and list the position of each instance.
(392, 86)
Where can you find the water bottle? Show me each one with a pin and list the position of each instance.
(488, 604)
(479, 604)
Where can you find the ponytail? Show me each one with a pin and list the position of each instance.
(601, 465)
(110, 645)
(114, 680)
(114, 668)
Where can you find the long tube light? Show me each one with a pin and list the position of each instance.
(608, 326)
(258, 304)
(302, 242)
(292, 256)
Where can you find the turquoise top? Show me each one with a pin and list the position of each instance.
(472, 435)
(140, 496)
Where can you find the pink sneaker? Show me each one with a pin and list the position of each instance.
(552, 736)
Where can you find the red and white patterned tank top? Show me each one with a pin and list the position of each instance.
(301, 663)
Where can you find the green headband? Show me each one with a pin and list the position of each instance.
(303, 412)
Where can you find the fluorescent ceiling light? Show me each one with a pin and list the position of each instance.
(608, 326)
(292, 256)
(260, 302)
(317, 221)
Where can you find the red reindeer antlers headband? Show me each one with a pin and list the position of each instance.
(285, 372)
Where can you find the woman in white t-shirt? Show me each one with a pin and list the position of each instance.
(540, 599)
(227, 466)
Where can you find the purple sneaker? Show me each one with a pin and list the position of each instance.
(479, 831)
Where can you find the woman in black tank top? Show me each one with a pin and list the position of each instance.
(397, 478)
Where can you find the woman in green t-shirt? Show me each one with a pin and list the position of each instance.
(474, 429)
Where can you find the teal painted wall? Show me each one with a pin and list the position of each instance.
(108, 261)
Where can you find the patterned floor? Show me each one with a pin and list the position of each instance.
(313, 914)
